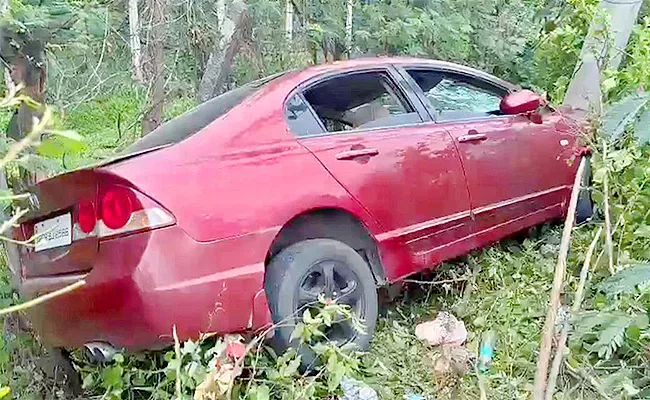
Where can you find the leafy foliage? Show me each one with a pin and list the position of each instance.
(566, 24)
(604, 332)
(260, 375)
(623, 113)
(628, 281)
(55, 21)
(491, 35)
(635, 74)
(615, 331)
(642, 128)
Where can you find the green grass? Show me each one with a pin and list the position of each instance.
(509, 294)
(107, 123)
(111, 122)
(22, 358)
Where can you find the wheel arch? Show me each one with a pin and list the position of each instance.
(330, 223)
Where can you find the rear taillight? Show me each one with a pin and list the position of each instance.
(86, 217)
(119, 210)
(116, 207)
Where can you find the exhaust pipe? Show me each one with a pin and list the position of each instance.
(99, 352)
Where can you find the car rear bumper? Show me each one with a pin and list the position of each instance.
(141, 285)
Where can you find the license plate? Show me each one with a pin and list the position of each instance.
(54, 232)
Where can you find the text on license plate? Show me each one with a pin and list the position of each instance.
(54, 232)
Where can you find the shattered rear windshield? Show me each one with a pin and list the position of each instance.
(199, 117)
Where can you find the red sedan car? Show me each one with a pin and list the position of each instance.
(332, 180)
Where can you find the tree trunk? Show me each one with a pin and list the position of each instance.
(584, 89)
(134, 32)
(348, 29)
(218, 67)
(288, 21)
(155, 66)
(27, 67)
(220, 10)
(9, 83)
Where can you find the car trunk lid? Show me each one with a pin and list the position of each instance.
(72, 214)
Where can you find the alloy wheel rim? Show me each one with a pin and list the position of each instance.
(334, 280)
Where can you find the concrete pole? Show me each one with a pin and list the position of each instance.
(584, 89)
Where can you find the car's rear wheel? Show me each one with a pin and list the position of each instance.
(300, 273)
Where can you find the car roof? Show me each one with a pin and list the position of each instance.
(362, 62)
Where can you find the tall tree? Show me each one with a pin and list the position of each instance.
(220, 10)
(217, 68)
(24, 54)
(9, 83)
(348, 28)
(154, 65)
(288, 20)
(134, 36)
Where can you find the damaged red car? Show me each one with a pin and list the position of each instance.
(332, 180)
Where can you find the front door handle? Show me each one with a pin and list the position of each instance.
(351, 154)
(472, 137)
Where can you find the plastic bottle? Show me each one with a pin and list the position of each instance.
(486, 352)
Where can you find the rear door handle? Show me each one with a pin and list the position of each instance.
(350, 154)
(474, 137)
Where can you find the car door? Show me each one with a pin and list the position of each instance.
(369, 134)
(516, 169)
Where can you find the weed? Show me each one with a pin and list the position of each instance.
(213, 367)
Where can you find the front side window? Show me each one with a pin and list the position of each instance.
(359, 101)
(455, 96)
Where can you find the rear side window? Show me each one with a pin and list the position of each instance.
(300, 118)
(455, 96)
(199, 117)
(358, 101)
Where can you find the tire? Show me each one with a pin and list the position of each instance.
(299, 271)
(585, 206)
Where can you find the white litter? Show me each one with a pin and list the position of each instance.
(445, 330)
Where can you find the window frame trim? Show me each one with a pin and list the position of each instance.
(488, 80)
(404, 89)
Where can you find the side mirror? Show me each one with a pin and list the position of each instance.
(521, 102)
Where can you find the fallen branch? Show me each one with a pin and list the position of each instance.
(580, 373)
(461, 279)
(15, 197)
(577, 302)
(177, 350)
(481, 383)
(558, 280)
(608, 222)
(12, 221)
(43, 298)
